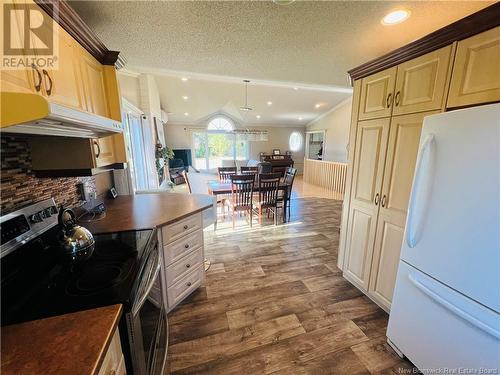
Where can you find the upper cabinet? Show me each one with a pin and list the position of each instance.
(77, 80)
(420, 83)
(476, 72)
(377, 94)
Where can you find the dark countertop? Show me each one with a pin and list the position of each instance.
(146, 211)
(67, 344)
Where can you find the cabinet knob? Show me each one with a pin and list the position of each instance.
(185, 227)
(189, 284)
(186, 246)
(188, 265)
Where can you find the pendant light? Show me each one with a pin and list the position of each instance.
(246, 108)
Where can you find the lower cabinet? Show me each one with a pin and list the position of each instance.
(376, 230)
(113, 363)
(183, 256)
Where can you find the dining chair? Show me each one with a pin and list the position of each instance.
(242, 195)
(250, 170)
(268, 195)
(288, 179)
(225, 173)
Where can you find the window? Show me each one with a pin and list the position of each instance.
(218, 145)
(220, 124)
(295, 141)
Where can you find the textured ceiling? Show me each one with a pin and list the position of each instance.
(207, 97)
(312, 42)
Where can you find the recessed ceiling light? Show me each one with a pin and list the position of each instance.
(300, 118)
(186, 114)
(184, 79)
(269, 103)
(317, 106)
(396, 17)
(283, 2)
(295, 88)
(258, 116)
(185, 97)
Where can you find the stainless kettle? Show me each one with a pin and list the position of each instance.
(77, 243)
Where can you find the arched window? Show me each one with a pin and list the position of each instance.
(295, 141)
(220, 124)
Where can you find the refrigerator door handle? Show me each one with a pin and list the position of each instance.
(420, 191)
(454, 309)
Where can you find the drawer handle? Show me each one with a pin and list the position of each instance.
(186, 246)
(188, 265)
(189, 284)
(185, 227)
(38, 85)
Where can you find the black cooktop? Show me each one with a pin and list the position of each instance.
(38, 282)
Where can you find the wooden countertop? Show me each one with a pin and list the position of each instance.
(67, 344)
(146, 211)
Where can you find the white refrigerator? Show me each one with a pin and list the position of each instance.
(445, 314)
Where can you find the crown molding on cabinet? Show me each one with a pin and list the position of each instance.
(475, 23)
(70, 21)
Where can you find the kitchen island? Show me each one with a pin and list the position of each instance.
(85, 342)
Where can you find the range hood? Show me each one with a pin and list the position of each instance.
(26, 113)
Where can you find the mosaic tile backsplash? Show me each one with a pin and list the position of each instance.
(20, 187)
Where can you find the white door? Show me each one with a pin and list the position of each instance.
(453, 224)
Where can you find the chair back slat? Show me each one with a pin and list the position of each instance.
(250, 171)
(268, 189)
(225, 173)
(242, 191)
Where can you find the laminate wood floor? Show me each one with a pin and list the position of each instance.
(274, 302)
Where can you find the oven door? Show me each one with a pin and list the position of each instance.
(147, 320)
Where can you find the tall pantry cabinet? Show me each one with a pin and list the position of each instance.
(389, 107)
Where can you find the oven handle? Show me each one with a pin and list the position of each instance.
(137, 306)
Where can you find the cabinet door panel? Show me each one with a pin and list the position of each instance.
(476, 71)
(377, 94)
(420, 83)
(18, 80)
(66, 78)
(106, 151)
(402, 150)
(94, 86)
(369, 158)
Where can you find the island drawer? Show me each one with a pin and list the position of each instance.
(188, 283)
(176, 250)
(188, 262)
(173, 232)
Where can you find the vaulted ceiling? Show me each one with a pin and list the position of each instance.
(307, 44)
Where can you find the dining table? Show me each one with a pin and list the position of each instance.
(224, 188)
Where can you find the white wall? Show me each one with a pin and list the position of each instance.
(336, 123)
(129, 88)
(179, 136)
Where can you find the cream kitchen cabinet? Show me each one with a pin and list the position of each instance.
(421, 82)
(183, 257)
(402, 149)
(377, 94)
(27, 80)
(114, 362)
(94, 88)
(476, 71)
(369, 159)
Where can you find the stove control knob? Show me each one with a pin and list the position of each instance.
(36, 218)
(47, 212)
